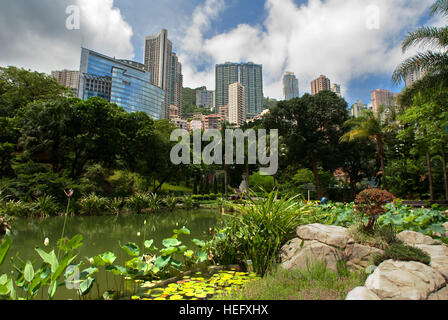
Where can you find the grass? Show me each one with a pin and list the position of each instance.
(315, 283)
(402, 252)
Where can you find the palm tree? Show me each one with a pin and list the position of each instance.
(368, 125)
(434, 63)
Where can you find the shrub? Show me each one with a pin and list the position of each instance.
(170, 203)
(257, 231)
(93, 204)
(46, 206)
(138, 202)
(116, 205)
(188, 202)
(18, 209)
(401, 252)
(370, 203)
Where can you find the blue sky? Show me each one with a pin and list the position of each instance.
(147, 19)
(307, 37)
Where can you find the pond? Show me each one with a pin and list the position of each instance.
(102, 234)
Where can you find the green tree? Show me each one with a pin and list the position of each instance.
(311, 127)
(19, 87)
(368, 125)
(428, 120)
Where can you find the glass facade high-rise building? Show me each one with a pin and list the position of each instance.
(123, 82)
(290, 86)
(225, 74)
(250, 75)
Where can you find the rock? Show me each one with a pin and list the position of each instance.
(446, 228)
(361, 293)
(439, 257)
(413, 238)
(442, 294)
(312, 251)
(330, 235)
(290, 249)
(359, 255)
(398, 280)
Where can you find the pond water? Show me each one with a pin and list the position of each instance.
(102, 234)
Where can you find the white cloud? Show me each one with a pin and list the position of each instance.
(40, 41)
(320, 37)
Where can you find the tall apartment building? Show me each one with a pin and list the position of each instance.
(320, 84)
(157, 60)
(357, 108)
(67, 78)
(205, 98)
(251, 77)
(224, 113)
(290, 86)
(414, 76)
(126, 83)
(237, 104)
(177, 82)
(336, 88)
(382, 97)
(225, 75)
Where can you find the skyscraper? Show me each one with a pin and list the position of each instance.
(251, 77)
(382, 97)
(205, 98)
(67, 78)
(237, 104)
(320, 84)
(225, 74)
(290, 86)
(357, 108)
(336, 88)
(177, 82)
(158, 60)
(414, 76)
(126, 83)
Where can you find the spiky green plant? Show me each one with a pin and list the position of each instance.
(93, 204)
(46, 206)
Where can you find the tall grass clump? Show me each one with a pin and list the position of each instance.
(93, 204)
(257, 231)
(46, 206)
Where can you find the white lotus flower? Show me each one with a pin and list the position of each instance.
(46, 242)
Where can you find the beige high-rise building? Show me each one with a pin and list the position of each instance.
(67, 78)
(158, 52)
(336, 88)
(320, 84)
(384, 98)
(237, 104)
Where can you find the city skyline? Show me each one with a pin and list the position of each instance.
(275, 34)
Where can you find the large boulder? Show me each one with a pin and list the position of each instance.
(310, 252)
(361, 293)
(359, 255)
(413, 238)
(331, 235)
(398, 280)
(439, 257)
(442, 294)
